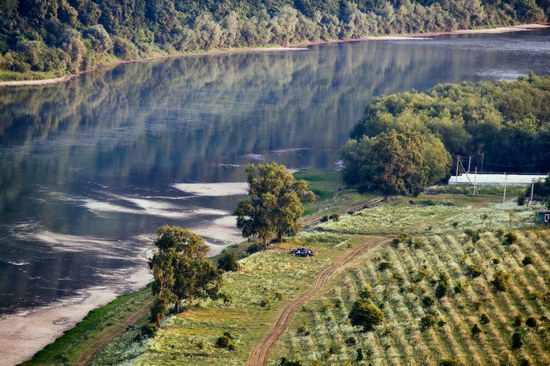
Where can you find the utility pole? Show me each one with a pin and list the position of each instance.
(532, 191)
(457, 162)
(469, 163)
(482, 158)
(475, 182)
(505, 181)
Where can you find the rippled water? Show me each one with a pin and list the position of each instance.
(89, 169)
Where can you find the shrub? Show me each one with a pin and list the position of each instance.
(324, 219)
(351, 341)
(525, 361)
(366, 293)
(474, 271)
(265, 303)
(428, 301)
(520, 200)
(473, 235)
(510, 238)
(148, 330)
(484, 319)
(303, 331)
(360, 355)
(419, 243)
(385, 265)
(460, 287)
(501, 280)
(450, 362)
(254, 248)
(228, 262)
(428, 321)
(518, 320)
(365, 314)
(527, 260)
(286, 362)
(517, 340)
(532, 322)
(476, 330)
(442, 286)
(334, 217)
(225, 342)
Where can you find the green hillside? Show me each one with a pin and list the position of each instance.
(45, 38)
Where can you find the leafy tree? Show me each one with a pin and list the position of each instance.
(365, 314)
(274, 203)
(395, 162)
(181, 269)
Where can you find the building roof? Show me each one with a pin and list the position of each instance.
(496, 179)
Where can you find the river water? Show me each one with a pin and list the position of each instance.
(90, 168)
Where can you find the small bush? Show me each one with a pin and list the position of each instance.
(510, 238)
(501, 280)
(265, 303)
(367, 292)
(428, 301)
(520, 200)
(476, 330)
(228, 262)
(473, 235)
(460, 287)
(351, 341)
(303, 330)
(225, 342)
(518, 320)
(442, 286)
(441, 323)
(525, 361)
(532, 322)
(527, 260)
(428, 321)
(286, 362)
(385, 265)
(517, 341)
(365, 314)
(254, 248)
(148, 330)
(360, 355)
(484, 319)
(474, 271)
(324, 219)
(334, 217)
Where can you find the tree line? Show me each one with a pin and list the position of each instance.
(65, 36)
(407, 141)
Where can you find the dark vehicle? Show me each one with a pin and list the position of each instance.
(303, 252)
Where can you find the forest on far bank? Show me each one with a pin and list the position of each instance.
(45, 38)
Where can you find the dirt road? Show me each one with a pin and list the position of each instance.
(258, 356)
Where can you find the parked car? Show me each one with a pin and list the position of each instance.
(303, 252)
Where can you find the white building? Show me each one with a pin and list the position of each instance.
(496, 179)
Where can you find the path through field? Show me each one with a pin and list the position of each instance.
(258, 356)
(87, 355)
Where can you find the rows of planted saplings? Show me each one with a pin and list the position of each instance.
(473, 299)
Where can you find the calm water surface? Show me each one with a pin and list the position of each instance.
(90, 168)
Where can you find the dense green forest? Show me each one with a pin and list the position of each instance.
(40, 38)
(504, 127)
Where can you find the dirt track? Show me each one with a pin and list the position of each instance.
(258, 356)
(89, 352)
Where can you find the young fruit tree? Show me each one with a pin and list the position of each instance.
(181, 270)
(274, 203)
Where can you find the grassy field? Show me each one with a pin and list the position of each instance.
(251, 299)
(322, 334)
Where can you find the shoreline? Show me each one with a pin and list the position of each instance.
(27, 332)
(297, 47)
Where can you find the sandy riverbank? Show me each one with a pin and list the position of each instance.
(25, 333)
(298, 47)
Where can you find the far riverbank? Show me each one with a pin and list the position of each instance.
(296, 47)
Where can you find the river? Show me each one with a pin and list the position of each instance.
(90, 168)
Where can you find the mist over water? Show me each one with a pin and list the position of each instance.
(90, 168)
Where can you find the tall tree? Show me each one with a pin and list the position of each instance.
(181, 269)
(395, 162)
(274, 203)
